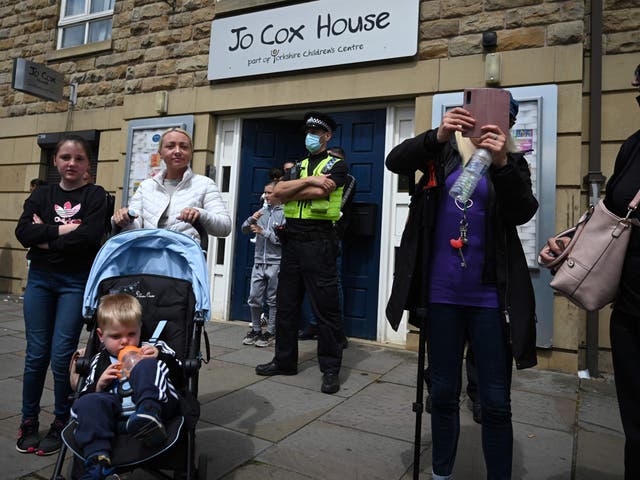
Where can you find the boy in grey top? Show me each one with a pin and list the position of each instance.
(266, 267)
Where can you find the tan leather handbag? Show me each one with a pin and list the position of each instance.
(588, 270)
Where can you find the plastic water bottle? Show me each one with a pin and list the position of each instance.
(471, 174)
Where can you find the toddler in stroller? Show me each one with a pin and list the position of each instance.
(165, 273)
(145, 396)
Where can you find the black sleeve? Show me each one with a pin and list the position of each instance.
(513, 190)
(339, 173)
(30, 234)
(97, 368)
(414, 153)
(176, 372)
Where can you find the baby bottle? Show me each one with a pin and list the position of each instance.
(128, 357)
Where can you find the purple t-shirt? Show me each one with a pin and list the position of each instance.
(452, 283)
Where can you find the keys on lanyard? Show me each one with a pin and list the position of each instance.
(462, 240)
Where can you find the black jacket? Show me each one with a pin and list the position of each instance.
(102, 360)
(622, 187)
(511, 203)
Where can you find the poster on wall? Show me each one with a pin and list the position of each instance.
(143, 158)
(311, 35)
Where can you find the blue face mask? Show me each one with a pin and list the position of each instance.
(312, 142)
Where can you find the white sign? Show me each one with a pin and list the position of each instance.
(311, 35)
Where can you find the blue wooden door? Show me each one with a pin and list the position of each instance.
(361, 135)
(268, 143)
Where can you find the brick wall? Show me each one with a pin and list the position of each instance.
(154, 48)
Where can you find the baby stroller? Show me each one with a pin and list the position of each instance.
(167, 272)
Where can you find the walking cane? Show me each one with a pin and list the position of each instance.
(418, 406)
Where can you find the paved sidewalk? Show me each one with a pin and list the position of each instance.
(284, 428)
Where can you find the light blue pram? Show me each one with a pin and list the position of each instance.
(167, 272)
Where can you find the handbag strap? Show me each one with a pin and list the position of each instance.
(577, 231)
(633, 204)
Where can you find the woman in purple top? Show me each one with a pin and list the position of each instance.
(466, 265)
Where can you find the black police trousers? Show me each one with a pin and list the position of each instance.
(309, 263)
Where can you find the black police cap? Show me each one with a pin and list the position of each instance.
(319, 120)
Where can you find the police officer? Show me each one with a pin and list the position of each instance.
(312, 195)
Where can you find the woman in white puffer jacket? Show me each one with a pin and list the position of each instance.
(176, 199)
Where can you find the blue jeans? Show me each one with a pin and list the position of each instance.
(53, 322)
(446, 329)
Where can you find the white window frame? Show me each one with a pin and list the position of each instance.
(80, 19)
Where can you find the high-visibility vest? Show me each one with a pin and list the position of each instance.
(326, 208)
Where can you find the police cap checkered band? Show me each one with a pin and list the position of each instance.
(319, 120)
(316, 122)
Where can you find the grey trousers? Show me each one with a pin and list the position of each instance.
(264, 285)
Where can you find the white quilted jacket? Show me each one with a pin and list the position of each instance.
(195, 191)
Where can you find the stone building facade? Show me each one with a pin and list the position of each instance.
(159, 51)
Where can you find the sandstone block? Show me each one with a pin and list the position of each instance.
(206, 14)
(192, 64)
(183, 49)
(482, 22)
(133, 86)
(145, 70)
(155, 53)
(565, 33)
(621, 20)
(521, 38)
(439, 29)
(200, 79)
(159, 83)
(546, 14)
(465, 45)
(433, 49)
(185, 80)
(461, 8)
(623, 42)
(504, 4)
(429, 10)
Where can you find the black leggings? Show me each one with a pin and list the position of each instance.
(625, 350)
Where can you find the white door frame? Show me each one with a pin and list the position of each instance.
(227, 156)
(399, 126)
(395, 207)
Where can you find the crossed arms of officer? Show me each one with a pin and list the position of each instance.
(307, 188)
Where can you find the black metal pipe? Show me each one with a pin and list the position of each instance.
(595, 180)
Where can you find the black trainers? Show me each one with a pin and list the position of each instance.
(52, 441)
(28, 438)
(266, 339)
(145, 424)
(98, 467)
(330, 383)
(251, 337)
